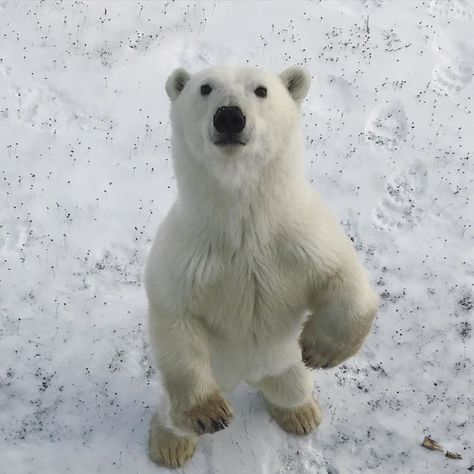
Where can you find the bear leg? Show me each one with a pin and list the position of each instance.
(290, 399)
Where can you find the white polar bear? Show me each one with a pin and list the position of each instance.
(250, 277)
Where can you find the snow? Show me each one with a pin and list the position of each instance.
(86, 177)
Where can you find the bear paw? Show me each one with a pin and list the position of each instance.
(324, 357)
(322, 351)
(213, 414)
(300, 420)
(168, 449)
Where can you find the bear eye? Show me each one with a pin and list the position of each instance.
(206, 89)
(261, 91)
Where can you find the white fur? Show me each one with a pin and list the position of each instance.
(248, 250)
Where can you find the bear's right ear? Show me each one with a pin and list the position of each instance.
(176, 82)
(297, 80)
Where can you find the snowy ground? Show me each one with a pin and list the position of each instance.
(86, 178)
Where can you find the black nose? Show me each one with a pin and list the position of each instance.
(229, 120)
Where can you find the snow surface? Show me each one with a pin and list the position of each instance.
(86, 178)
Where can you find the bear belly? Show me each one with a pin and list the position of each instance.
(254, 316)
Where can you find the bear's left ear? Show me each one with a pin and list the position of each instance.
(176, 82)
(297, 80)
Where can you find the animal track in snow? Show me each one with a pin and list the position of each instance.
(13, 240)
(454, 45)
(372, 3)
(456, 67)
(5, 70)
(44, 107)
(397, 209)
(387, 125)
(450, 78)
(458, 9)
(360, 6)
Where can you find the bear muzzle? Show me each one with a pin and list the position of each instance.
(229, 122)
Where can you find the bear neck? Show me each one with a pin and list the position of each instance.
(275, 193)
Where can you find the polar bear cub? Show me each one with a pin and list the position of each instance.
(250, 277)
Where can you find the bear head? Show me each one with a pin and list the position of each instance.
(234, 120)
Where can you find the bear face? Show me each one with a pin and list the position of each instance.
(231, 118)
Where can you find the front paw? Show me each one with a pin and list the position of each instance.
(211, 415)
(324, 351)
(316, 357)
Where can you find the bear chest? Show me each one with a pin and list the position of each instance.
(257, 291)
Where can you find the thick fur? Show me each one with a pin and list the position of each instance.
(247, 256)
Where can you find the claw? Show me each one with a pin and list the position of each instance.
(218, 425)
(201, 426)
(210, 416)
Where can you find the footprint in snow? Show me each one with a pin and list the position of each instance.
(387, 125)
(456, 67)
(398, 209)
(14, 239)
(50, 109)
(455, 9)
(454, 46)
(449, 78)
(361, 6)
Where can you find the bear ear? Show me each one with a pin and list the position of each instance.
(297, 80)
(176, 82)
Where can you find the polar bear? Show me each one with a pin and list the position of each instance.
(250, 277)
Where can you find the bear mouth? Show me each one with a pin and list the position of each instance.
(230, 141)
